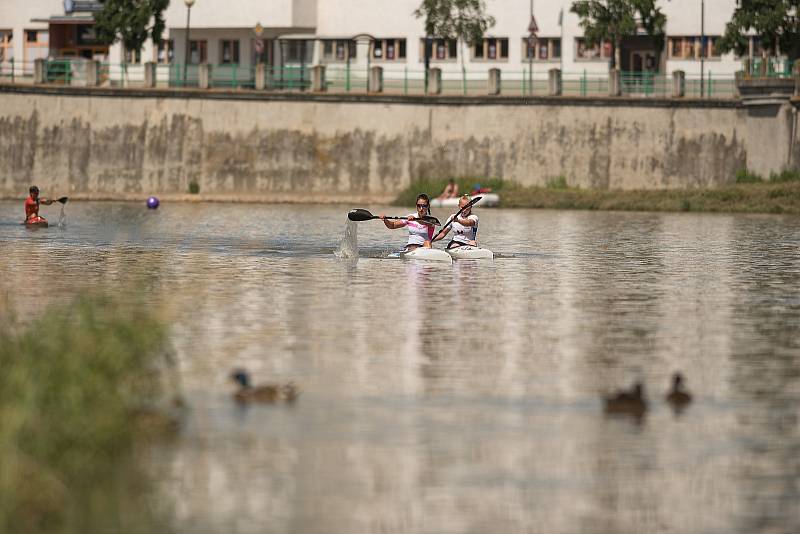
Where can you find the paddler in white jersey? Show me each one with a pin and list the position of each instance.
(465, 227)
(419, 234)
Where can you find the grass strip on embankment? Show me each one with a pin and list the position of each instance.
(750, 194)
(76, 386)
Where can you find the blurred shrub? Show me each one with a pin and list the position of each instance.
(72, 385)
(743, 176)
(557, 182)
(785, 176)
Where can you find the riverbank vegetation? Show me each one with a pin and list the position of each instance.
(749, 194)
(75, 387)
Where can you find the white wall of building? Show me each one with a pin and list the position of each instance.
(16, 16)
(234, 13)
(215, 20)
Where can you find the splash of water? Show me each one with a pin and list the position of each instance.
(348, 246)
(62, 218)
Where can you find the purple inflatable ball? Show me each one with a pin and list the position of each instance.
(152, 203)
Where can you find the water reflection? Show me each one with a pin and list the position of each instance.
(465, 397)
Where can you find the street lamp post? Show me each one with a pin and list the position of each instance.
(533, 28)
(428, 51)
(702, 47)
(530, 55)
(189, 4)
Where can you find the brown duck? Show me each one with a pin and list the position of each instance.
(678, 397)
(267, 393)
(630, 402)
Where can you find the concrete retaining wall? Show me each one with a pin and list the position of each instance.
(104, 141)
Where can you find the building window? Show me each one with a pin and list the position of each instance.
(713, 51)
(6, 45)
(338, 49)
(389, 49)
(297, 51)
(439, 49)
(597, 52)
(133, 56)
(543, 49)
(229, 52)
(198, 52)
(691, 47)
(37, 46)
(492, 48)
(165, 51)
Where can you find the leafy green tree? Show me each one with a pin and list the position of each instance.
(775, 22)
(613, 20)
(463, 20)
(130, 21)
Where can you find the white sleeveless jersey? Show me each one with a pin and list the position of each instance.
(418, 233)
(464, 234)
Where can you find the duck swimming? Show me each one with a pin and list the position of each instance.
(678, 397)
(631, 402)
(267, 393)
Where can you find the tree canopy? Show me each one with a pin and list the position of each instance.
(130, 21)
(612, 20)
(465, 20)
(775, 22)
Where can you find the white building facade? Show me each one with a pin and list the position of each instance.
(361, 33)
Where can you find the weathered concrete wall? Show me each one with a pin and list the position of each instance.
(107, 141)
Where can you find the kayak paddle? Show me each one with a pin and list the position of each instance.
(359, 214)
(467, 205)
(63, 200)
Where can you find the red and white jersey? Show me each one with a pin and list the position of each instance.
(418, 233)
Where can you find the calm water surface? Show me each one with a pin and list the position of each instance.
(464, 397)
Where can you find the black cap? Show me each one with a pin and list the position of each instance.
(34, 189)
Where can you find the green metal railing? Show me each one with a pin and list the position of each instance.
(524, 83)
(346, 78)
(11, 69)
(464, 83)
(352, 78)
(769, 67)
(404, 81)
(710, 87)
(646, 84)
(233, 76)
(60, 71)
(584, 84)
(289, 77)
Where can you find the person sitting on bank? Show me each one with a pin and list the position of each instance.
(465, 227)
(32, 206)
(419, 233)
(450, 190)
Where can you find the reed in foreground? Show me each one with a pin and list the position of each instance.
(73, 386)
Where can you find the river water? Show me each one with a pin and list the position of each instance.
(456, 398)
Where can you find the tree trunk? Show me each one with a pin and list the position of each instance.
(617, 53)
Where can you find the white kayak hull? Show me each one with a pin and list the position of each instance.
(427, 254)
(470, 253)
(488, 200)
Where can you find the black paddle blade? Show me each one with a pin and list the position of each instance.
(63, 200)
(359, 214)
(429, 219)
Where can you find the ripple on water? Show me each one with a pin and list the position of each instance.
(463, 397)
